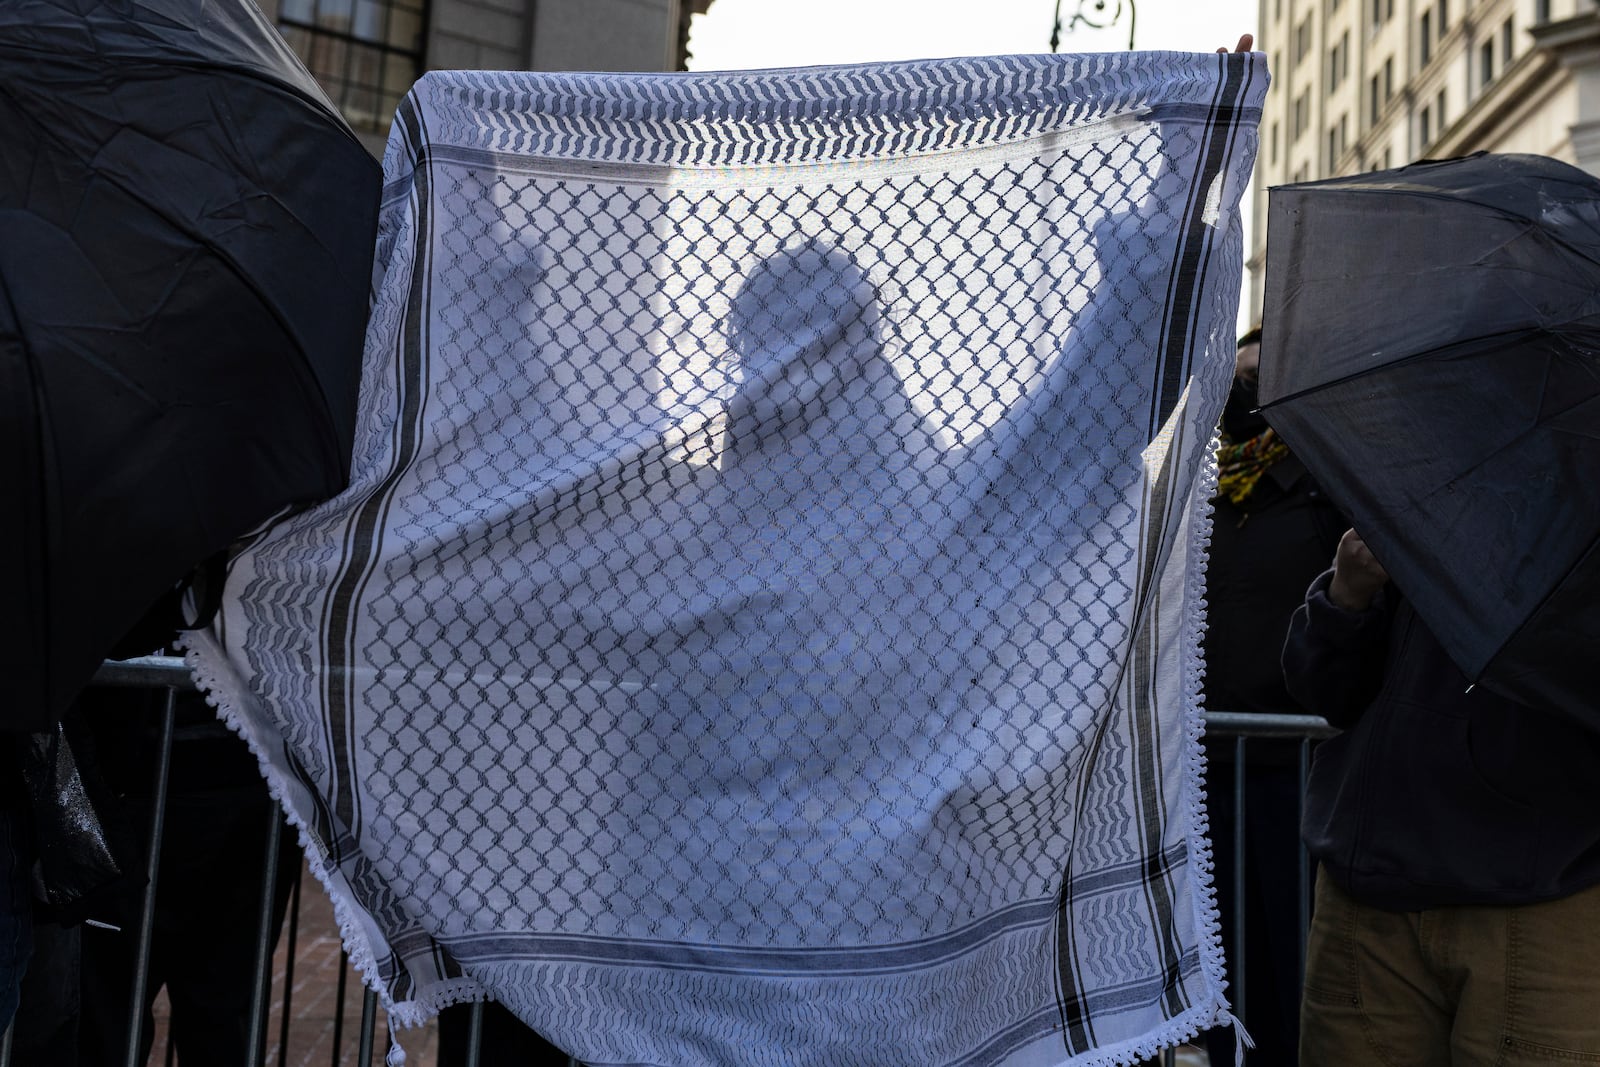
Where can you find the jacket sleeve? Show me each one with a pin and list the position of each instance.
(1333, 659)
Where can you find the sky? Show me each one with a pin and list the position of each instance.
(752, 34)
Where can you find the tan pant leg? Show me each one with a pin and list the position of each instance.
(1530, 982)
(1369, 996)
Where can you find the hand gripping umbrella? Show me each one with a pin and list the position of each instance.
(1431, 351)
(186, 238)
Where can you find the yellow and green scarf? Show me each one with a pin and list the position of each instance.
(1240, 465)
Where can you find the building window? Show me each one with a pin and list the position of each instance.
(1388, 159)
(1272, 145)
(1424, 126)
(1438, 110)
(1377, 13)
(1302, 116)
(1302, 39)
(1444, 16)
(1425, 38)
(1277, 10)
(1374, 102)
(1507, 39)
(365, 53)
(1541, 12)
(1388, 79)
(1302, 172)
(1339, 62)
(1338, 139)
(1486, 63)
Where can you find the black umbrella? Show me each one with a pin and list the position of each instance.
(186, 238)
(1432, 352)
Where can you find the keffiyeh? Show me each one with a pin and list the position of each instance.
(762, 624)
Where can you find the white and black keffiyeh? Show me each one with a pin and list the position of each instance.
(762, 626)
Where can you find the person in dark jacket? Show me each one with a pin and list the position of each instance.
(209, 887)
(1272, 531)
(1458, 834)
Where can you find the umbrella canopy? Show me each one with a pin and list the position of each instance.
(188, 234)
(1431, 351)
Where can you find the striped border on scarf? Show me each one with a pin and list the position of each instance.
(360, 563)
(1177, 354)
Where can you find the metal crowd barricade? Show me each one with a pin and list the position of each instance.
(1242, 727)
(170, 674)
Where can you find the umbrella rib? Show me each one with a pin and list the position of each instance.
(200, 239)
(322, 104)
(1512, 216)
(1414, 357)
(1555, 587)
(318, 100)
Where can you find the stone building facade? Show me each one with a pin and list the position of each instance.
(1369, 84)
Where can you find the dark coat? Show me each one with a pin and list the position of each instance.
(1438, 792)
(1262, 555)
